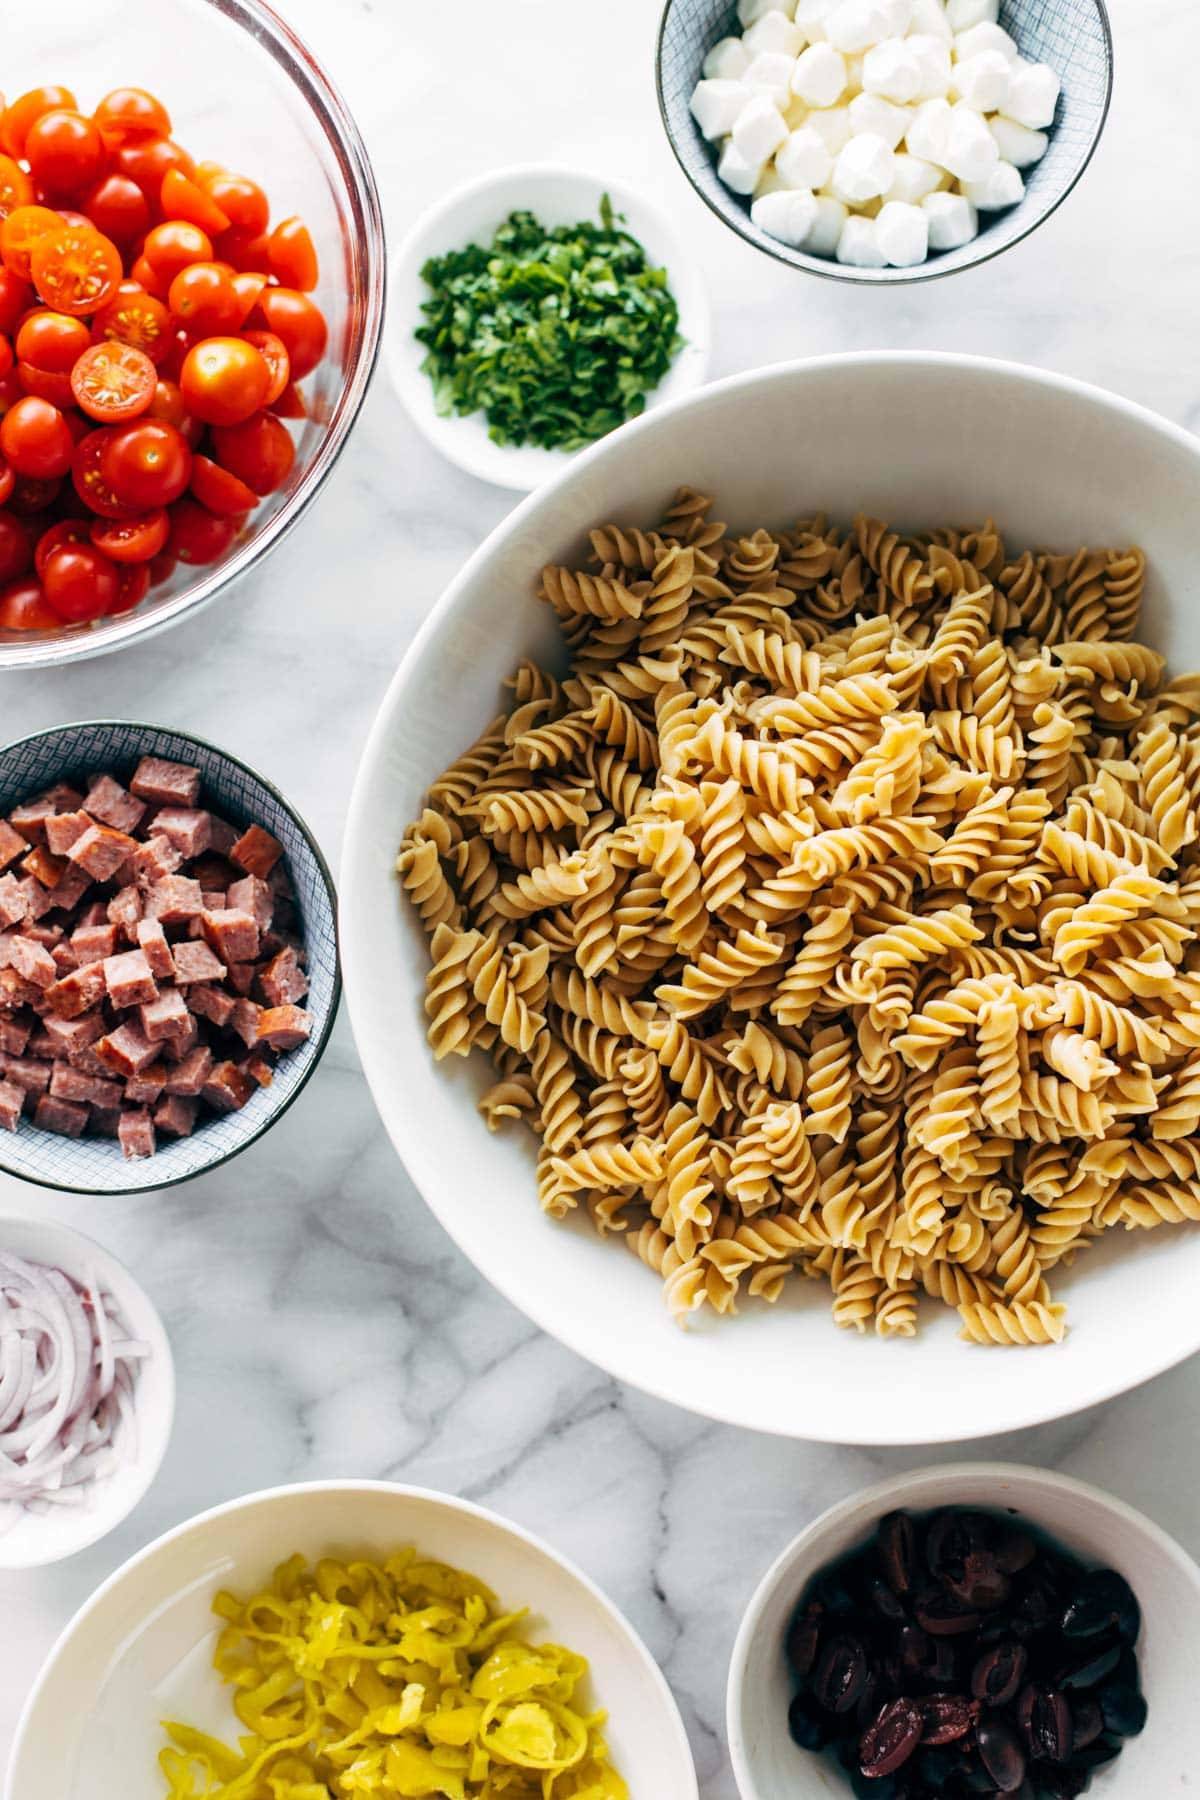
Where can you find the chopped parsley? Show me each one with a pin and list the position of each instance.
(556, 333)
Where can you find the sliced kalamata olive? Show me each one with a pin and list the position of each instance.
(916, 1648)
(1001, 1754)
(1123, 1709)
(1103, 1601)
(896, 1544)
(802, 1641)
(998, 1674)
(891, 1739)
(1087, 1722)
(943, 1616)
(869, 1701)
(1090, 1672)
(948, 1717)
(840, 1674)
(952, 1536)
(1044, 1717)
(1037, 1605)
(1014, 1551)
(882, 1600)
(981, 1587)
(809, 1726)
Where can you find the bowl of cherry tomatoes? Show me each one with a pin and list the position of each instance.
(191, 299)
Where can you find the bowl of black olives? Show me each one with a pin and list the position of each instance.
(982, 1630)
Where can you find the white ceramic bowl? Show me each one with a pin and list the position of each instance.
(1100, 1529)
(919, 438)
(471, 214)
(40, 1538)
(140, 1649)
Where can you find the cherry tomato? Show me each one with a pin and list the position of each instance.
(147, 464)
(91, 484)
(132, 112)
(259, 452)
(16, 188)
(182, 198)
(198, 536)
(23, 607)
(163, 566)
(248, 285)
(143, 276)
(221, 492)
(16, 298)
(131, 540)
(203, 298)
(135, 317)
(75, 269)
(146, 161)
(65, 152)
(24, 227)
(79, 583)
(173, 246)
(293, 317)
(7, 358)
(36, 439)
(32, 495)
(8, 482)
(224, 380)
(17, 119)
(66, 531)
(47, 384)
(272, 351)
(243, 202)
(168, 404)
(117, 207)
(291, 258)
(52, 341)
(133, 585)
(112, 382)
(16, 551)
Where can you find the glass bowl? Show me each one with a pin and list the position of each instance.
(243, 90)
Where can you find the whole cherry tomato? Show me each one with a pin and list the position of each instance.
(291, 258)
(183, 198)
(147, 463)
(65, 152)
(17, 119)
(131, 540)
(220, 491)
(168, 404)
(171, 247)
(8, 482)
(66, 531)
(46, 384)
(259, 452)
(36, 440)
(16, 298)
(134, 585)
(23, 229)
(117, 207)
(7, 358)
(112, 382)
(135, 317)
(293, 317)
(16, 551)
(224, 380)
(75, 269)
(32, 494)
(243, 202)
(203, 298)
(198, 536)
(51, 340)
(23, 607)
(16, 187)
(79, 583)
(132, 112)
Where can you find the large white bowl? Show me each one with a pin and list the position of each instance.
(922, 439)
(1101, 1530)
(140, 1650)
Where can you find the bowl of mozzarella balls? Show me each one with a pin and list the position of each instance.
(884, 140)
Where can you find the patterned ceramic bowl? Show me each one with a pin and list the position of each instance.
(95, 1165)
(1073, 36)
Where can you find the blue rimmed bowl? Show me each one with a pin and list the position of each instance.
(70, 752)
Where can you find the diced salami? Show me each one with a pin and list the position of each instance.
(13, 904)
(188, 827)
(104, 1124)
(256, 851)
(129, 980)
(14, 1036)
(62, 829)
(284, 1027)
(65, 960)
(38, 900)
(27, 1073)
(166, 783)
(176, 1048)
(143, 1089)
(166, 1017)
(175, 900)
(42, 1044)
(212, 1003)
(214, 899)
(124, 911)
(241, 977)
(258, 1064)
(11, 1102)
(155, 859)
(227, 1088)
(190, 1075)
(67, 1083)
(12, 844)
(213, 872)
(254, 897)
(232, 934)
(92, 943)
(194, 961)
(29, 819)
(74, 1035)
(78, 992)
(72, 886)
(102, 851)
(47, 869)
(245, 1022)
(224, 835)
(66, 1118)
(110, 803)
(32, 961)
(136, 1134)
(15, 991)
(282, 980)
(176, 1115)
(127, 1050)
(152, 940)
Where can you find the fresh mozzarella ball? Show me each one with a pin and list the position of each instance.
(893, 70)
(899, 16)
(929, 132)
(759, 129)
(824, 236)
(804, 161)
(985, 37)
(789, 217)
(855, 25)
(864, 169)
(854, 74)
(982, 81)
(774, 32)
(1001, 186)
(971, 150)
(771, 72)
(869, 113)
(858, 244)
(929, 19)
(1016, 143)
(1032, 95)
(933, 55)
(953, 221)
(751, 11)
(795, 113)
(902, 233)
(769, 182)
(726, 61)
(736, 172)
(833, 125)
(819, 75)
(715, 106)
(912, 179)
(811, 16)
(962, 14)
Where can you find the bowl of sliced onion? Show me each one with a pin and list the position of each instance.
(87, 1392)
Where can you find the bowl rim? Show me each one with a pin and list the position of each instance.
(932, 269)
(679, 257)
(320, 1042)
(305, 73)
(1028, 1478)
(396, 1119)
(399, 1490)
(149, 1324)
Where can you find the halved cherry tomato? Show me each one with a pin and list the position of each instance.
(242, 201)
(91, 483)
(143, 276)
(135, 317)
(224, 380)
(33, 495)
(17, 119)
(47, 384)
(131, 540)
(244, 250)
(173, 246)
(66, 531)
(162, 567)
(36, 440)
(50, 340)
(23, 229)
(117, 207)
(146, 161)
(132, 112)
(199, 536)
(273, 353)
(7, 357)
(79, 583)
(291, 258)
(16, 297)
(220, 491)
(293, 317)
(112, 382)
(183, 198)
(147, 463)
(259, 452)
(16, 551)
(65, 152)
(16, 188)
(8, 482)
(203, 298)
(23, 607)
(133, 585)
(75, 269)
(248, 284)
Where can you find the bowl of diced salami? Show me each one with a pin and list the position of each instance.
(168, 956)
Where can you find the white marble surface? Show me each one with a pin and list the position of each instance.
(322, 1323)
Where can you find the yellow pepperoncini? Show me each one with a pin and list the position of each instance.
(395, 1681)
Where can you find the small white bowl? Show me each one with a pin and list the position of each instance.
(41, 1538)
(1100, 1529)
(140, 1650)
(471, 214)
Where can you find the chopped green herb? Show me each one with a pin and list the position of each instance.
(557, 334)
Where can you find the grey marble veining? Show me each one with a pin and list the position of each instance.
(322, 1322)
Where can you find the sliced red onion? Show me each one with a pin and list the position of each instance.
(68, 1368)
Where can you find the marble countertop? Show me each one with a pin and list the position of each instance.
(323, 1324)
